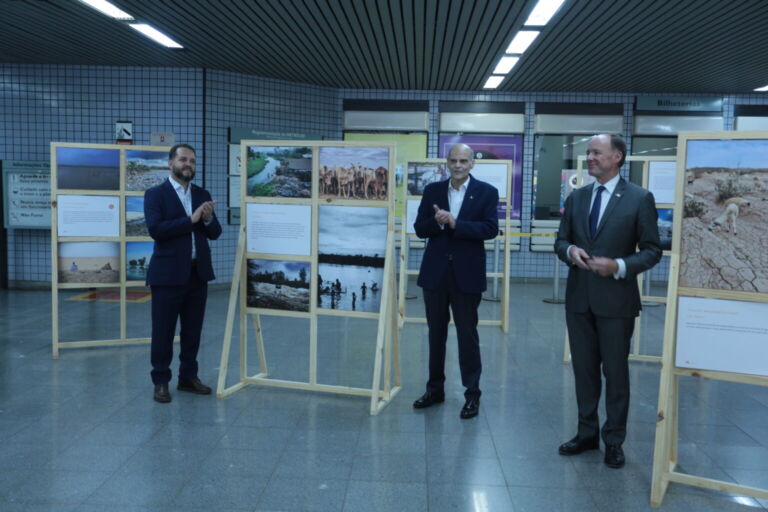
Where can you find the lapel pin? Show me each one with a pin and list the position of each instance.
(618, 195)
(470, 197)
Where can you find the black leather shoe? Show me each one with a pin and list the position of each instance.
(577, 445)
(162, 394)
(193, 386)
(614, 456)
(470, 409)
(428, 399)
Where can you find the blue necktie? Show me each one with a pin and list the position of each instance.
(594, 214)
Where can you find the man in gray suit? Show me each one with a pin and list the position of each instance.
(607, 236)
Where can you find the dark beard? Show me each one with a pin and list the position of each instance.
(179, 173)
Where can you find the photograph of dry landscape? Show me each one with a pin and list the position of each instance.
(725, 214)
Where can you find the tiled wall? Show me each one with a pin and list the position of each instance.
(40, 104)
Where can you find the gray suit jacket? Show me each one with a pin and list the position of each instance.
(627, 230)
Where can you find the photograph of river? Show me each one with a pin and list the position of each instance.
(145, 169)
(87, 169)
(279, 171)
(278, 285)
(351, 244)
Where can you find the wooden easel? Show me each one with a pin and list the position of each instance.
(386, 366)
(665, 457)
(408, 235)
(122, 284)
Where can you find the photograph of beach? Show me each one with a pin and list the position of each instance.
(279, 171)
(137, 256)
(87, 169)
(278, 285)
(135, 225)
(145, 169)
(89, 262)
(351, 245)
(354, 173)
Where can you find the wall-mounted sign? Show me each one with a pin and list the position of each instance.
(163, 139)
(681, 103)
(27, 201)
(124, 132)
(238, 134)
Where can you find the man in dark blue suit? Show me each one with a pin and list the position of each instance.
(456, 216)
(180, 218)
(608, 235)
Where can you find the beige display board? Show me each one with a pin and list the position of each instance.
(98, 235)
(316, 238)
(421, 173)
(717, 299)
(648, 162)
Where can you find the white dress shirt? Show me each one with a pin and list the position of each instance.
(185, 196)
(456, 197)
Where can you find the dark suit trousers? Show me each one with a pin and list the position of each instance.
(187, 303)
(464, 307)
(601, 341)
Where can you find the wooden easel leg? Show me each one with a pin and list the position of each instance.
(260, 345)
(230, 320)
(566, 349)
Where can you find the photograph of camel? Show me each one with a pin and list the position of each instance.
(278, 285)
(279, 171)
(354, 173)
(351, 244)
(89, 262)
(145, 169)
(725, 211)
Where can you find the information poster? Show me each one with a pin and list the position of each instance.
(27, 201)
(88, 215)
(493, 174)
(412, 211)
(722, 335)
(279, 229)
(661, 181)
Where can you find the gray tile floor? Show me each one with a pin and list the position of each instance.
(82, 433)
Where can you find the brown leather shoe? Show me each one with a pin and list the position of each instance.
(162, 394)
(194, 386)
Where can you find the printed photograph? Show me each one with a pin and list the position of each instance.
(145, 169)
(354, 173)
(665, 227)
(351, 245)
(278, 285)
(87, 169)
(279, 171)
(135, 224)
(137, 255)
(725, 212)
(89, 262)
(421, 174)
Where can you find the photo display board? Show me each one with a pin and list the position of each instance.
(419, 174)
(99, 238)
(317, 238)
(717, 302)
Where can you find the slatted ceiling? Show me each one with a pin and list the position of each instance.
(708, 46)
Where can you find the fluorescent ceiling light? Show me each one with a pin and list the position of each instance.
(154, 34)
(762, 89)
(505, 65)
(522, 41)
(109, 9)
(493, 82)
(543, 12)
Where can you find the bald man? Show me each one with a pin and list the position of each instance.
(456, 216)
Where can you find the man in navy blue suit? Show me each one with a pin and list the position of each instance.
(180, 218)
(456, 216)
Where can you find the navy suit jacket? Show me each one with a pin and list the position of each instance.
(171, 228)
(477, 221)
(627, 230)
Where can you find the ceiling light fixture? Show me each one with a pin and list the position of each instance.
(762, 89)
(154, 34)
(543, 12)
(522, 41)
(505, 65)
(493, 82)
(109, 9)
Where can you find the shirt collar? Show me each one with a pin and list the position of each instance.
(178, 186)
(463, 187)
(610, 185)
